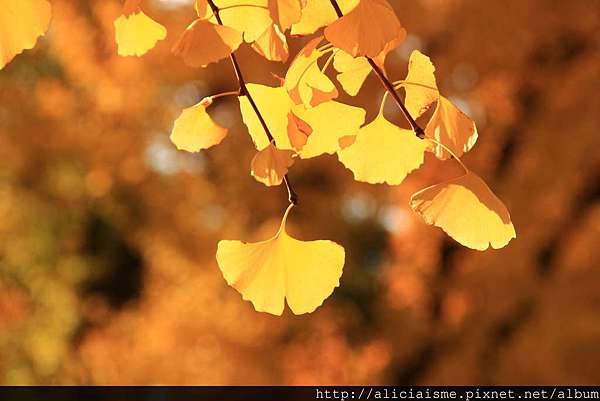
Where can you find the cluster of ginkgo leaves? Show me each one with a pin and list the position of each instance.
(300, 119)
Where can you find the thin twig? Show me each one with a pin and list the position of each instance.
(386, 83)
(292, 196)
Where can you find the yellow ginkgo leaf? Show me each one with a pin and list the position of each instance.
(267, 273)
(135, 32)
(319, 13)
(22, 22)
(467, 210)
(194, 130)
(383, 153)
(452, 128)
(272, 45)
(352, 71)
(329, 122)
(304, 80)
(274, 104)
(270, 165)
(421, 88)
(203, 43)
(366, 30)
(285, 12)
(251, 17)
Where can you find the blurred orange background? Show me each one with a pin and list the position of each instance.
(108, 233)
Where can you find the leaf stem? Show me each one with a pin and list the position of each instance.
(230, 93)
(386, 83)
(292, 196)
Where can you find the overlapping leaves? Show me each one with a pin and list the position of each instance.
(300, 118)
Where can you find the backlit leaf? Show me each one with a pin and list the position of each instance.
(274, 105)
(383, 153)
(195, 130)
(421, 92)
(272, 45)
(353, 71)
(135, 32)
(467, 210)
(270, 165)
(366, 30)
(267, 273)
(304, 80)
(22, 22)
(203, 43)
(451, 127)
(448, 124)
(319, 13)
(251, 17)
(329, 122)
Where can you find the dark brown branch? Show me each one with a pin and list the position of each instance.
(387, 84)
(292, 196)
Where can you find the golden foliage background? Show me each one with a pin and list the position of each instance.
(108, 234)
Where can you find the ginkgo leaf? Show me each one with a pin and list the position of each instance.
(421, 88)
(274, 105)
(304, 80)
(319, 13)
(383, 153)
(272, 45)
(203, 43)
(22, 22)
(366, 30)
(329, 122)
(268, 273)
(195, 130)
(270, 165)
(135, 32)
(452, 128)
(353, 71)
(251, 17)
(467, 210)
(285, 12)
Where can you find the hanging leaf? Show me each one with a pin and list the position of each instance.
(203, 43)
(467, 210)
(319, 13)
(448, 124)
(135, 32)
(272, 45)
(303, 273)
(383, 153)
(451, 127)
(270, 165)
(366, 30)
(22, 22)
(421, 88)
(304, 80)
(194, 130)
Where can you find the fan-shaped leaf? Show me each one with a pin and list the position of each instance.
(303, 273)
(383, 153)
(195, 130)
(467, 210)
